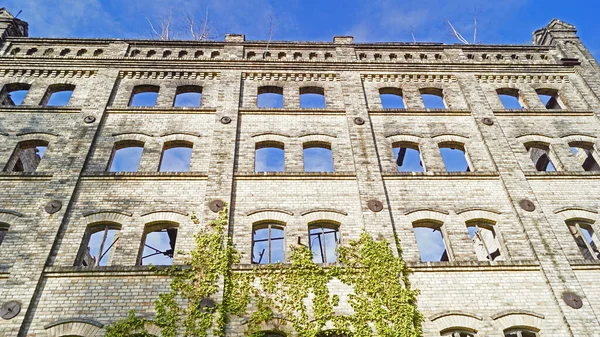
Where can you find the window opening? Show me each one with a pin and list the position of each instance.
(81, 52)
(550, 98)
(101, 243)
(215, 54)
(126, 157)
(58, 95)
(540, 156)
(183, 53)
(460, 332)
(586, 239)
(281, 55)
(159, 245)
(433, 98)
(269, 97)
(391, 98)
(454, 157)
(3, 231)
(510, 98)
(267, 243)
(485, 241)
(151, 53)
(324, 240)
(430, 242)
(318, 157)
(27, 156)
(585, 155)
(144, 95)
(520, 333)
(408, 157)
(312, 98)
(188, 96)
(13, 94)
(176, 157)
(269, 157)
(167, 53)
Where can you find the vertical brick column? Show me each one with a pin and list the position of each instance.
(366, 160)
(42, 235)
(554, 265)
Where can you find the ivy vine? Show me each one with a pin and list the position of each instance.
(379, 293)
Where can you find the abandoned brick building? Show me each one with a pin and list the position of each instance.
(481, 159)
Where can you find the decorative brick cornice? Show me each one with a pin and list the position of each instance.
(272, 76)
(47, 73)
(523, 78)
(419, 78)
(160, 75)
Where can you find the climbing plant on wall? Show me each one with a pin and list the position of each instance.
(379, 293)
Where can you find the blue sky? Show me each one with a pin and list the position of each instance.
(506, 21)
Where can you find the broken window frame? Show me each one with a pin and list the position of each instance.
(458, 332)
(406, 145)
(8, 89)
(141, 89)
(434, 92)
(434, 226)
(521, 332)
(175, 145)
(326, 227)
(269, 225)
(123, 144)
(456, 146)
(270, 90)
(104, 248)
(590, 251)
(3, 232)
(265, 145)
(313, 90)
(160, 226)
(188, 89)
(512, 92)
(392, 91)
(489, 226)
(549, 154)
(15, 163)
(317, 145)
(592, 161)
(556, 101)
(56, 88)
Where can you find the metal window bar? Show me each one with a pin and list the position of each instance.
(101, 251)
(321, 238)
(269, 240)
(480, 237)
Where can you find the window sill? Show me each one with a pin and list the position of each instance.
(160, 110)
(39, 109)
(25, 175)
(581, 264)
(295, 175)
(562, 174)
(424, 112)
(543, 112)
(437, 175)
(144, 175)
(292, 111)
(472, 266)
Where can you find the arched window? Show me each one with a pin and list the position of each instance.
(151, 53)
(433, 98)
(511, 98)
(585, 238)
(269, 97)
(27, 156)
(551, 99)
(268, 243)
(430, 240)
(408, 157)
(521, 332)
(540, 156)
(391, 98)
(269, 157)
(158, 244)
(458, 332)
(176, 157)
(454, 157)
(3, 231)
(485, 241)
(58, 95)
(13, 94)
(272, 334)
(144, 95)
(318, 157)
(585, 154)
(126, 156)
(188, 96)
(312, 98)
(324, 240)
(99, 244)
